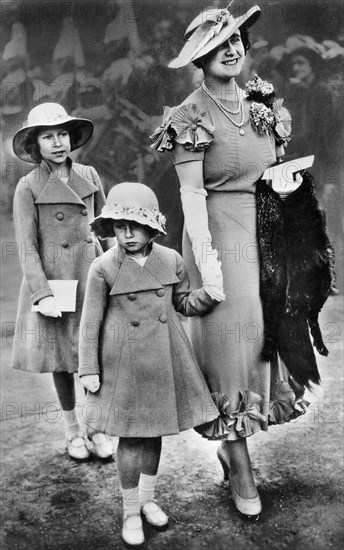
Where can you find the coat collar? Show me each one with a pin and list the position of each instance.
(51, 190)
(132, 277)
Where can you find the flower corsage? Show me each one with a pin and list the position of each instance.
(267, 113)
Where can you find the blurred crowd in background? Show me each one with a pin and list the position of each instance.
(107, 61)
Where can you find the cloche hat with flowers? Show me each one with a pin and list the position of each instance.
(129, 201)
(47, 115)
(210, 29)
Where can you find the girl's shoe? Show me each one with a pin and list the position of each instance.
(249, 507)
(132, 532)
(154, 515)
(102, 447)
(222, 456)
(77, 449)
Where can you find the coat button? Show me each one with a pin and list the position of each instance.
(84, 212)
(89, 240)
(135, 323)
(160, 292)
(60, 216)
(163, 318)
(132, 297)
(64, 244)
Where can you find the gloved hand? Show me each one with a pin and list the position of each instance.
(212, 274)
(196, 221)
(285, 186)
(47, 306)
(90, 382)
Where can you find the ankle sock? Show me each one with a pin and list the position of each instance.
(146, 488)
(72, 425)
(131, 504)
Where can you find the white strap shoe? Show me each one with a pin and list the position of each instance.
(77, 449)
(102, 447)
(132, 532)
(154, 515)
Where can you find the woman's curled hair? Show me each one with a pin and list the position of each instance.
(201, 61)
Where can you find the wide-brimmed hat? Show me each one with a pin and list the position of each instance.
(210, 29)
(51, 114)
(129, 201)
(306, 46)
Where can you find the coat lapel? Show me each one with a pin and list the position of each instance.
(132, 277)
(81, 182)
(51, 190)
(157, 267)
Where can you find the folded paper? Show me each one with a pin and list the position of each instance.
(64, 293)
(282, 175)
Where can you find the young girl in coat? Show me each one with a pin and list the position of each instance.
(134, 355)
(53, 205)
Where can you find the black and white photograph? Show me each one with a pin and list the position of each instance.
(171, 194)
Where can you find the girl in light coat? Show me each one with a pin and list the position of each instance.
(135, 358)
(53, 205)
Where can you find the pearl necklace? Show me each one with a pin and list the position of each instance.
(227, 111)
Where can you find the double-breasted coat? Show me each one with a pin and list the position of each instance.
(51, 220)
(131, 335)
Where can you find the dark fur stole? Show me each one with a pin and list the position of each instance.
(295, 272)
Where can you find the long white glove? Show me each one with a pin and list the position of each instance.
(196, 221)
(90, 382)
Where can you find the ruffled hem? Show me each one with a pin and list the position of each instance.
(242, 422)
(286, 403)
(187, 125)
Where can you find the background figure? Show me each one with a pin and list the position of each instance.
(332, 174)
(302, 66)
(91, 104)
(312, 83)
(68, 57)
(16, 99)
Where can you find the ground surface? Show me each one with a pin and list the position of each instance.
(49, 502)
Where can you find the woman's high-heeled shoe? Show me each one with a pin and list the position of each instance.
(222, 456)
(248, 507)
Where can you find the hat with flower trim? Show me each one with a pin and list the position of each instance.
(210, 29)
(129, 201)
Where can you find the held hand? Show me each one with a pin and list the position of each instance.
(212, 277)
(298, 178)
(47, 307)
(286, 186)
(90, 382)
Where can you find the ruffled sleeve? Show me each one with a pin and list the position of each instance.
(162, 137)
(186, 130)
